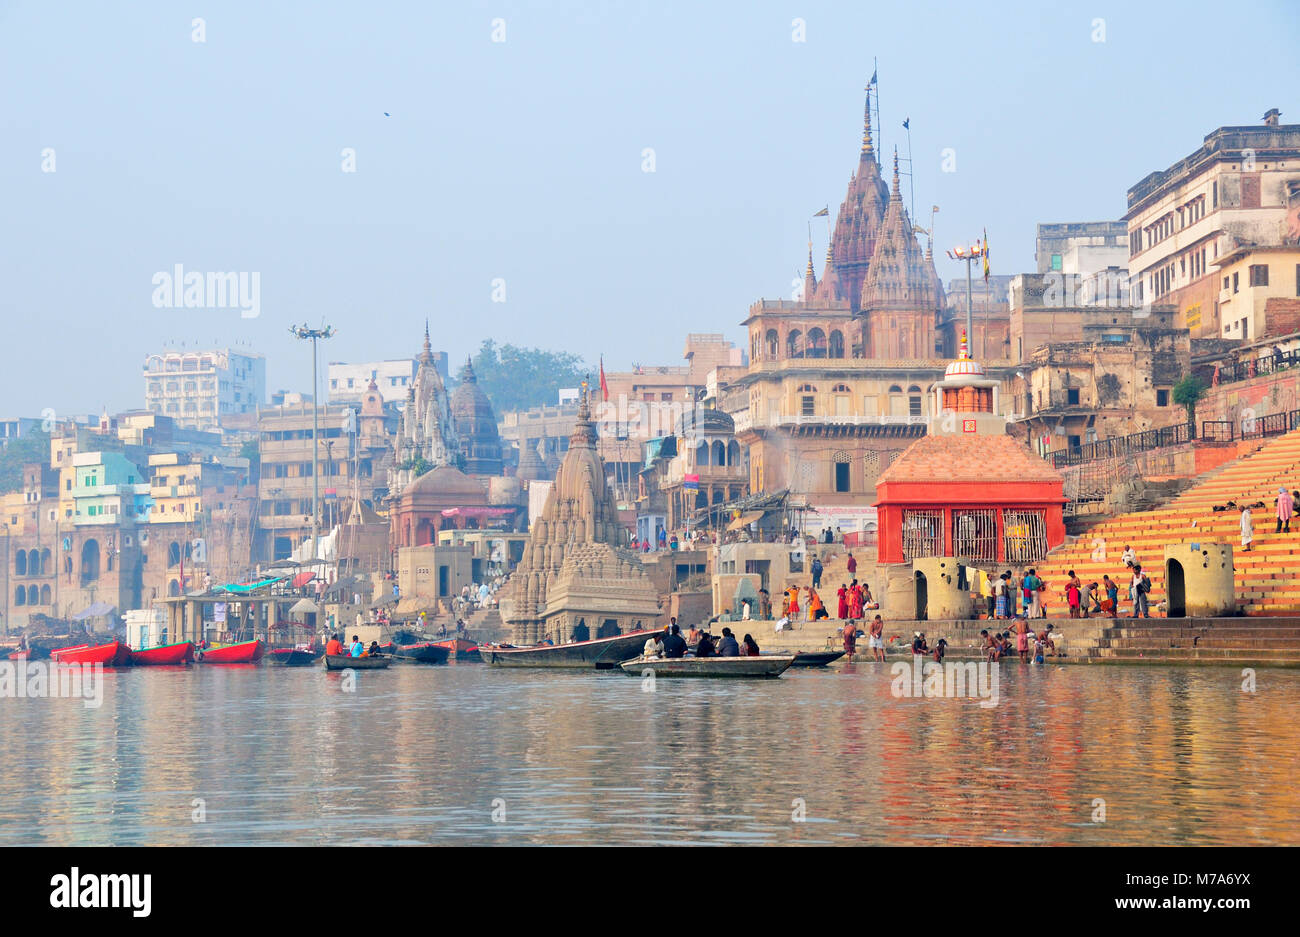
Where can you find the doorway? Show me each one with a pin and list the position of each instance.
(922, 595)
(1175, 589)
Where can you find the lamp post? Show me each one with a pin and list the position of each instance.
(304, 331)
(970, 255)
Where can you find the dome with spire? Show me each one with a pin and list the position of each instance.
(426, 432)
(476, 426)
(531, 465)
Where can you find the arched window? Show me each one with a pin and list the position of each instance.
(20, 565)
(33, 595)
(835, 347)
(733, 453)
(173, 554)
(173, 588)
(89, 561)
(914, 401)
(47, 565)
(773, 344)
(719, 453)
(841, 399)
(702, 454)
(816, 343)
(33, 563)
(807, 388)
(794, 344)
(897, 402)
(45, 595)
(20, 596)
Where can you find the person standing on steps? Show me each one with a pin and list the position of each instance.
(1247, 528)
(1285, 508)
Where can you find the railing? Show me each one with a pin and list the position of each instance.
(1217, 431)
(1243, 370)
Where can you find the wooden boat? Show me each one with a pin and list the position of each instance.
(421, 653)
(348, 662)
(602, 653)
(816, 658)
(112, 654)
(765, 665)
(292, 656)
(246, 652)
(461, 648)
(180, 653)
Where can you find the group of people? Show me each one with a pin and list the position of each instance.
(356, 648)
(1285, 507)
(997, 646)
(669, 643)
(875, 638)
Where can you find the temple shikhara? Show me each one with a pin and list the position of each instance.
(577, 580)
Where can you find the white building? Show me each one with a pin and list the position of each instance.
(345, 383)
(197, 388)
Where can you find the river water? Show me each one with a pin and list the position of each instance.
(466, 754)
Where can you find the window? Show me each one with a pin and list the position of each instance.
(807, 405)
(914, 401)
(1235, 278)
(1162, 397)
(1259, 274)
(841, 471)
(1072, 396)
(1056, 261)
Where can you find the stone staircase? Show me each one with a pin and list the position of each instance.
(1267, 578)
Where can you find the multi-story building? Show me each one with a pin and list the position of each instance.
(1258, 291)
(346, 383)
(1082, 247)
(1240, 188)
(197, 388)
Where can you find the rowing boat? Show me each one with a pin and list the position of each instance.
(348, 662)
(766, 665)
(112, 654)
(816, 658)
(602, 653)
(164, 654)
(246, 652)
(421, 653)
(292, 657)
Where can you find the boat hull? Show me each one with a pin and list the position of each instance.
(816, 658)
(113, 654)
(763, 666)
(248, 652)
(422, 653)
(461, 649)
(291, 657)
(348, 662)
(163, 655)
(601, 654)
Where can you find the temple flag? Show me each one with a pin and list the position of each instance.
(986, 255)
(604, 387)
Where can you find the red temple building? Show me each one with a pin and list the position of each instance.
(966, 489)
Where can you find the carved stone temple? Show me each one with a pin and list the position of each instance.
(577, 580)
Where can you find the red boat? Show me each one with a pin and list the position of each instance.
(247, 652)
(461, 648)
(112, 654)
(181, 653)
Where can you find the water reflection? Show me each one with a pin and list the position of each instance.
(429, 755)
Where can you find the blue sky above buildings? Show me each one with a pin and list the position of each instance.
(523, 161)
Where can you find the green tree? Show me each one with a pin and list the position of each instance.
(518, 378)
(1187, 392)
(250, 451)
(34, 446)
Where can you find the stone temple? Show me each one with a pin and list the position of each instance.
(426, 431)
(577, 580)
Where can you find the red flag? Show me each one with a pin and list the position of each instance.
(604, 388)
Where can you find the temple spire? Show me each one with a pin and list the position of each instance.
(866, 125)
(897, 193)
(426, 355)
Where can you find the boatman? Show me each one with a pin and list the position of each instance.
(358, 649)
(334, 646)
(651, 649)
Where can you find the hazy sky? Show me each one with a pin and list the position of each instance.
(523, 160)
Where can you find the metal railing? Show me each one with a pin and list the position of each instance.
(1214, 431)
(1230, 371)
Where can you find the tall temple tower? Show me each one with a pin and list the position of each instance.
(856, 227)
(576, 580)
(426, 430)
(900, 293)
(476, 426)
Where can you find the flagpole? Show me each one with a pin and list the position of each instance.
(875, 71)
(911, 169)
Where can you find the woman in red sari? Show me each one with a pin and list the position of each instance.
(855, 602)
(843, 594)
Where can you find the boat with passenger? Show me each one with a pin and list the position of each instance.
(600, 653)
(764, 665)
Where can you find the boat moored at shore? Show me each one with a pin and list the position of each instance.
(764, 665)
(601, 653)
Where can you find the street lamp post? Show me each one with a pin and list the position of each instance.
(304, 331)
(970, 255)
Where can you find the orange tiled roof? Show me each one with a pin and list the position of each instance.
(968, 458)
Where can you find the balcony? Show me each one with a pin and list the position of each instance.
(820, 420)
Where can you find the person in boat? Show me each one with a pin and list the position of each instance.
(674, 644)
(334, 646)
(653, 645)
(373, 650)
(728, 646)
(693, 636)
(705, 647)
(358, 649)
(749, 647)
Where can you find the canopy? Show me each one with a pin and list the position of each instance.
(302, 579)
(746, 519)
(239, 589)
(94, 610)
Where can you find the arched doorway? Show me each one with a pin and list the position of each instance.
(580, 631)
(89, 561)
(1175, 589)
(922, 595)
(608, 628)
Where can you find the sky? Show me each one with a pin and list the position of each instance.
(484, 165)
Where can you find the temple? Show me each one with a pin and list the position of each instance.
(426, 434)
(576, 579)
(967, 489)
(476, 426)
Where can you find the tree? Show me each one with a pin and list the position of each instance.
(518, 378)
(34, 446)
(1187, 392)
(250, 451)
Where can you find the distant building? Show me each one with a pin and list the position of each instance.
(1240, 188)
(196, 388)
(345, 383)
(1081, 246)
